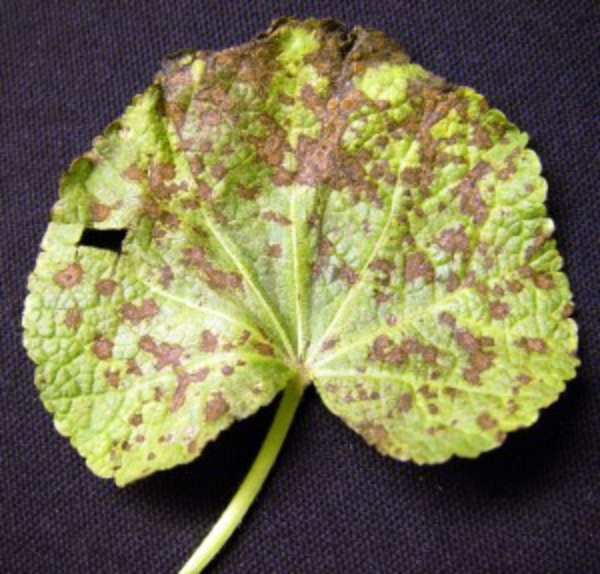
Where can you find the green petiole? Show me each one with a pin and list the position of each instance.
(248, 491)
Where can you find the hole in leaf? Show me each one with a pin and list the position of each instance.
(108, 239)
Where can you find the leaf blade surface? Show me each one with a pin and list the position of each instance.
(309, 204)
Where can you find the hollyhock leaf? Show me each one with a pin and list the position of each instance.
(308, 206)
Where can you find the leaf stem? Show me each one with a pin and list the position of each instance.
(232, 516)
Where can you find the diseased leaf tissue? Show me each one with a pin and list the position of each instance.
(309, 206)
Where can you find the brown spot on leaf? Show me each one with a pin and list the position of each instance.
(209, 342)
(211, 117)
(374, 433)
(219, 171)
(164, 354)
(364, 395)
(515, 286)
(113, 378)
(479, 360)
(216, 407)
(102, 347)
(274, 251)
(170, 437)
(526, 271)
(106, 287)
(543, 280)
(151, 208)
(482, 138)
(411, 175)
(485, 421)
(447, 319)
(160, 175)
(133, 368)
(275, 217)
(135, 314)
(73, 319)
(249, 192)
(539, 241)
(166, 276)
(453, 283)
(511, 166)
(428, 353)
(433, 409)
(99, 211)
(310, 98)
(347, 274)
(427, 392)
(264, 349)
(380, 169)
(203, 190)
(70, 276)
(498, 291)
(483, 247)
(314, 220)
(329, 344)
(385, 267)
(524, 379)
(133, 173)
(204, 146)
(227, 370)
(158, 233)
(136, 419)
(386, 351)
(271, 150)
(190, 204)
(184, 380)
(532, 345)
(169, 220)
(498, 310)
(404, 403)
(315, 159)
(471, 202)
(418, 211)
(418, 266)
(282, 176)
(331, 388)
(216, 278)
(451, 392)
(432, 430)
(454, 240)
(325, 248)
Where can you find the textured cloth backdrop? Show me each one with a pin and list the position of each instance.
(332, 504)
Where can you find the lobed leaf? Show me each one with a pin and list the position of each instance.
(308, 205)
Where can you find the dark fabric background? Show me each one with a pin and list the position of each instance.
(332, 504)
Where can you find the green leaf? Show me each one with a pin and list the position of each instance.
(309, 206)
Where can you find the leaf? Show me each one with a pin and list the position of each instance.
(309, 206)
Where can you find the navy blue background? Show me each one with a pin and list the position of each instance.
(67, 68)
